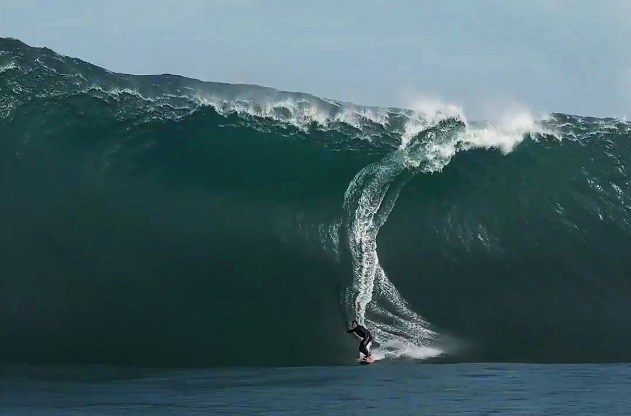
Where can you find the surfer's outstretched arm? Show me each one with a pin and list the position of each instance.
(355, 328)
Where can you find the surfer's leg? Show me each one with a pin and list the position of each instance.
(362, 347)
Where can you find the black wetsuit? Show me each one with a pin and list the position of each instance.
(365, 336)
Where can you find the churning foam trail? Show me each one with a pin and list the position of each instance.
(431, 138)
(7, 67)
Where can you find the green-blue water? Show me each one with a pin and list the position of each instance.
(399, 389)
(163, 221)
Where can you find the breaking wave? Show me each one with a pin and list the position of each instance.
(167, 221)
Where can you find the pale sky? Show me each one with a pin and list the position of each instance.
(545, 55)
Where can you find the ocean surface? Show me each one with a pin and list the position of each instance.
(160, 221)
(399, 388)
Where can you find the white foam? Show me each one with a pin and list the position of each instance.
(505, 133)
(117, 92)
(426, 112)
(434, 110)
(372, 299)
(300, 113)
(398, 349)
(7, 67)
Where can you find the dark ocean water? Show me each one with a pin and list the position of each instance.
(164, 221)
(392, 389)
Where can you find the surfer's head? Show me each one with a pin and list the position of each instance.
(354, 324)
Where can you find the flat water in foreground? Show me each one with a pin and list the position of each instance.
(384, 389)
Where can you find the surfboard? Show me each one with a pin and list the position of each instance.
(366, 361)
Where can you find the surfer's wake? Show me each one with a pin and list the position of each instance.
(427, 147)
(368, 202)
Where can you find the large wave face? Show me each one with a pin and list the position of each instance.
(159, 220)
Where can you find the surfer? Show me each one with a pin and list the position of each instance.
(364, 334)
